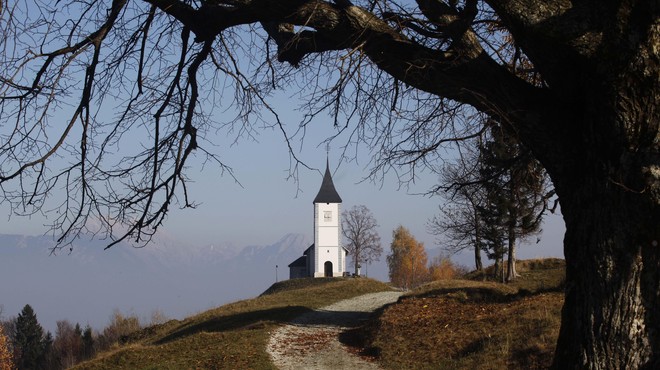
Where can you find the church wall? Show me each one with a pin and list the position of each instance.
(297, 272)
(336, 255)
(326, 224)
(327, 239)
(328, 254)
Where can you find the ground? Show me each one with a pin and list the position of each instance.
(311, 341)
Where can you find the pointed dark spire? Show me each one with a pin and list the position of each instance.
(327, 193)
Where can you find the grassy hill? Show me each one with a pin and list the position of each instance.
(232, 336)
(444, 324)
(468, 324)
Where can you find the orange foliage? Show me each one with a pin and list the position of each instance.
(6, 362)
(442, 268)
(407, 261)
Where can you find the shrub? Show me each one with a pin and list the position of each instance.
(442, 268)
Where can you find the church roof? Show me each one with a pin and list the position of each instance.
(327, 193)
(300, 262)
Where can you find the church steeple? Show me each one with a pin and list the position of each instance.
(327, 193)
(326, 257)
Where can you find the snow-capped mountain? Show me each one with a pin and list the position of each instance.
(86, 283)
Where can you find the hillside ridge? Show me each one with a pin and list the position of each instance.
(476, 323)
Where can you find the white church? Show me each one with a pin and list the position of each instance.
(326, 257)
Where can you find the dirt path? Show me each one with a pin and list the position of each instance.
(311, 341)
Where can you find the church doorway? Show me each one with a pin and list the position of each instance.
(328, 269)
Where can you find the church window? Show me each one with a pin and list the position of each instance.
(327, 216)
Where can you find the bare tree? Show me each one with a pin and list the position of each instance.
(359, 227)
(120, 326)
(103, 103)
(459, 225)
(68, 345)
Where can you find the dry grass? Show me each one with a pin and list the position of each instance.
(466, 324)
(447, 324)
(233, 336)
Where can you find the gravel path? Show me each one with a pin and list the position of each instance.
(311, 341)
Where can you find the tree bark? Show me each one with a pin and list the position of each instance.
(477, 258)
(610, 199)
(497, 268)
(477, 245)
(511, 273)
(611, 316)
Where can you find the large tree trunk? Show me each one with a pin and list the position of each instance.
(611, 316)
(611, 207)
(610, 197)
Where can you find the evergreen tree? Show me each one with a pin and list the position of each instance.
(50, 356)
(515, 197)
(87, 343)
(29, 340)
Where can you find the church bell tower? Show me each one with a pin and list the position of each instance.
(329, 256)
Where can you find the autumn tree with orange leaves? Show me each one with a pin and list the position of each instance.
(442, 268)
(6, 362)
(407, 260)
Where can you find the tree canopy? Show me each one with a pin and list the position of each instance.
(407, 261)
(6, 358)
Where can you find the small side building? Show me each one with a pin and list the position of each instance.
(298, 268)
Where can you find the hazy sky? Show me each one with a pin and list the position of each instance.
(266, 205)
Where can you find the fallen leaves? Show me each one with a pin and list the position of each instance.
(442, 329)
(300, 341)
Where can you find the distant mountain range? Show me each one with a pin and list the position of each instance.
(86, 284)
